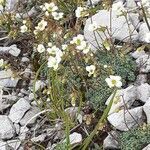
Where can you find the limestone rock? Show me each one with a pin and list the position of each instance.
(3, 145)
(136, 54)
(30, 114)
(143, 63)
(18, 110)
(143, 30)
(120, 28)
(125, 120)
(14, 144)
(123, 97)
(146, 109)
(147, 147)
(75, 138)
(7, 129)
(143, 92)
(110, 141)
(13, 50)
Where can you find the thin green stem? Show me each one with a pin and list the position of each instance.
(100, 122)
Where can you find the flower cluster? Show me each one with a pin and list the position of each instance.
(81, 12)
(54, 54)
(80, 43)
(24, 27)
(40, 27)
(90, 69)
(51, 8)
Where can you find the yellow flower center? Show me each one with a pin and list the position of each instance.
(113, 82)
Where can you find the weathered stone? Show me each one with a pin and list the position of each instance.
(13, 50)
(143, 92)
(141, 79)
(7, 129)
(9, 83)
(146, 109)
(39, 138)
(3, 145)
(30, 114)
(18, 110)
(138, 54)
(14, 144)
(23, 133)
(110, 141)
(123, 97)
(125, 120)
(143, 30)
(147, 147)
(75, 138)
(17, 126)
(143, 63)
(119, 28)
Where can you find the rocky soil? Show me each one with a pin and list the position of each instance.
(22, 122)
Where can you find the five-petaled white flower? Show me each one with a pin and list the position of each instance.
(81, 12)
(53, 62)
(114, 81)
(23, 29)
(50, 44)
(93, 26)
(53, 50)
(79, 41)
(64, 46)
(1, 62)
(90, 69)
(40, 48)
(41, 25)
(57, 16)
(50, 7)
(87, 49)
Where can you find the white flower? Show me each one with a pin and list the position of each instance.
(92, 27)
(24, 21)
(79, 41)
(105, 66)
(23, 29)
(87, 49)
(82, 45)
(51, 7)
(119, 7)
(50, 44)
(147, 37)
(114, 81)
(90, 69)
(57, 16)
(2, 2)
(1, 62)
(41, 25)
(47, 13)
(53, 62)
(64, 46)
(53, 50)
(35, 32)
(81, 12)
(40, 48)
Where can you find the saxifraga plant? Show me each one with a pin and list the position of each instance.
(135, 139)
